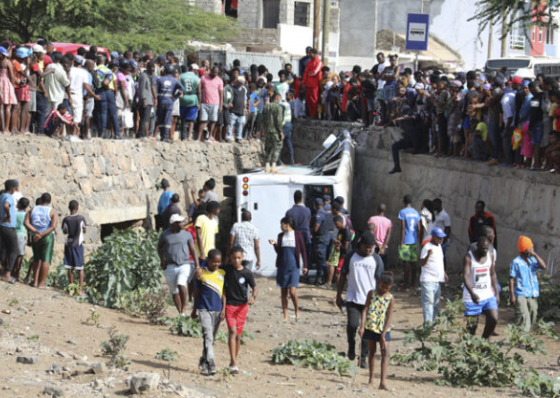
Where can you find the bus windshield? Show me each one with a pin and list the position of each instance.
(322, 159)
(511, 64)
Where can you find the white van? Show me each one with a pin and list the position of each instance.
(268, 196)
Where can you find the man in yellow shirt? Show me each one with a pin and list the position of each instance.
(206, 229)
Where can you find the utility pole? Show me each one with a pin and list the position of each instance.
(375, 14)
(316, 23)
(326, 30)
(490, 38)
(504, 33)
(418, 52)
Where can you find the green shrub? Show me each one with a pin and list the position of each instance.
(114, 348)
(151, 303)
(536, 385)
(57, 277)
(314, 355)
(124, 263)
(465, 360)
(549, 299)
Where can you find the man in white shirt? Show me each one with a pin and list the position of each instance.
(361, 269)
(442, 221)
(432, 275)
(57, 84)
(79, 79)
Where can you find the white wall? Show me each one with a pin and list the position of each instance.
(294, 39)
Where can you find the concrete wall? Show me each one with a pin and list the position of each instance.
(522, 202)
(115, 181)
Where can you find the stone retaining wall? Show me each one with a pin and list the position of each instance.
(522, 202)
(115, 181)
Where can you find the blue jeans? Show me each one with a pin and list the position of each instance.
(41, 112)
(508, 148)
(431, 295)
(287, 131)
(238, 121)
(112, 112)
(494, 134)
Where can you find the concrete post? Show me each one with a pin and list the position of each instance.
(326, 30)
(316, 22)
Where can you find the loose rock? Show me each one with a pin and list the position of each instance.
(53, 391)
(143, 382)
(27, 360)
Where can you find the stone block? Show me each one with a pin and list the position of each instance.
(86, 187)
(80, 167)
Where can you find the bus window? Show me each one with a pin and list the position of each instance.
(316, 191)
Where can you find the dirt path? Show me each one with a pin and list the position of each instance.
(52, 326)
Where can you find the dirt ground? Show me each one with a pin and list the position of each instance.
(52, 326)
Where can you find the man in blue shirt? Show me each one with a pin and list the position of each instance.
(321, 238)
(8, 237)
(168, 89)
(410, 226)
(524, 284)
(164, 201)
(302, 216)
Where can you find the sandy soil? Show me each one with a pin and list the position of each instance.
(52, 326)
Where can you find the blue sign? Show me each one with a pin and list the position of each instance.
(417, 32)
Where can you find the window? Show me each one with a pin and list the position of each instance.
(533, 34)
(540, 35)
(549, 36)
(301, 13)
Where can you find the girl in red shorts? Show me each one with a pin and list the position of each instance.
(237, 282)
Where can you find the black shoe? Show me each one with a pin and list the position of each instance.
(395, 170)
(351, 352)
(363, 364)
(211, 368)
(203, 366)
(169, 141)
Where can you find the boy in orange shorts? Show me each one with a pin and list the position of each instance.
(237, 281)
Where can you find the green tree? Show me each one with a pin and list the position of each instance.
(156, 25)
(515, 14)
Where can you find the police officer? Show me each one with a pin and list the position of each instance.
(168, 90)
(104, 79)
(320, 241)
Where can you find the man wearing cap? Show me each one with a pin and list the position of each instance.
(147, 98)
(524, 283)
(189, 101)
(361, 268)
(409, 122)
(80, 81)
(168, 89)
(20, 113)
(433, 273)
(321, 236)
(175, 248)
(238, 109)
(272, 130)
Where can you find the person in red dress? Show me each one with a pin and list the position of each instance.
(311, 79)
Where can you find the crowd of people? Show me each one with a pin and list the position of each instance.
(482, 117)
(495, 117)
(322, 238)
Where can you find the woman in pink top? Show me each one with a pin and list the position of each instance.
(381, 227)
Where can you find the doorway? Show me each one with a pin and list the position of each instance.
(271, 13)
